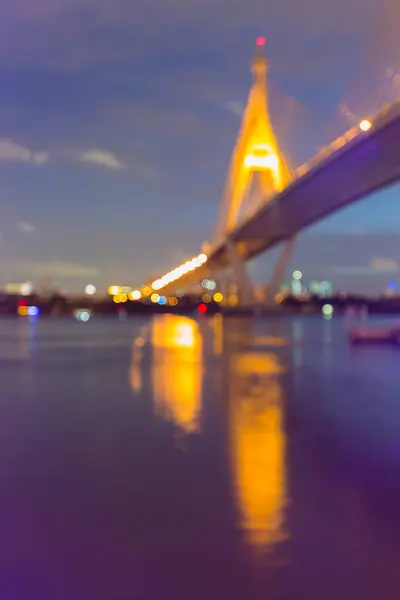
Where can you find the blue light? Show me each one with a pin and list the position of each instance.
(392, 285)
(162, 300)
(33, 311)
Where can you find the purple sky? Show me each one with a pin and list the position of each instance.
(117, 120)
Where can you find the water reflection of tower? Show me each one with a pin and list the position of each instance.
(177, 371)
(257, 445)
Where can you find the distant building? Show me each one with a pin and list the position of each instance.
(322, 289)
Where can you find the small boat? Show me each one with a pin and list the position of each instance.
(384, 335)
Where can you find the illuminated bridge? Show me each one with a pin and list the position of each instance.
(285, 201)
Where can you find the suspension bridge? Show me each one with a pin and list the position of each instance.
(282, 200)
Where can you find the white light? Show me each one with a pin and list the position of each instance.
(365, 125)
(90, 290)
(297, 275)
(157, 285)
(26, 288)
(82, 315)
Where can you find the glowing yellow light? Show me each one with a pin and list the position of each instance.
(365, 125)
(116, 299)
(157, 285)
(147, 291)
(123, 298)
(113, 290)
(173, 301)
(266, 161)
(22, 311)
(155, 298)
(258, 446)
(135, 295)
(218, 297)
(206, 298)
(189, 265)
(279, 298)
(177, 371)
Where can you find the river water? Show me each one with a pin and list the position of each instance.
(193, 459)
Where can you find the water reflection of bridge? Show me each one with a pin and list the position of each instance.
(249, 387)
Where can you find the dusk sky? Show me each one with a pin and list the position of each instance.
(118, 118)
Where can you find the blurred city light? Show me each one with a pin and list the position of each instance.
(155, 298)
(82, 315)
(162, 300)
(218, 297)
(209, 284)
(26, 288)
(90, 290)
(327, 310)
(202, 308)
(135, 295)
(33, 311)
(113, 290)
(297, 275)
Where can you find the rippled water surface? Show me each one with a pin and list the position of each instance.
(197, 459)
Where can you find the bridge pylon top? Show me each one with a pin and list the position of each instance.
(258, 166)
(259, 63)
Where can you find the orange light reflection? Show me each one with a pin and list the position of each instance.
(177, 371)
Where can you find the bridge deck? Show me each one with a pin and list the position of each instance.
(365, 164)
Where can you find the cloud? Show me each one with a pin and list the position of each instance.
(13, 152)
(103, 158)
(376, 266)
(388, 265)
(351, 270)
(236, 108)
(55, 268)
(25, 227)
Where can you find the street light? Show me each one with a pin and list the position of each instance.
(365, 125)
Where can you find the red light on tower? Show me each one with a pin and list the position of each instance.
(260, 41)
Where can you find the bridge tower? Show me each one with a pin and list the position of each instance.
(258, 170)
